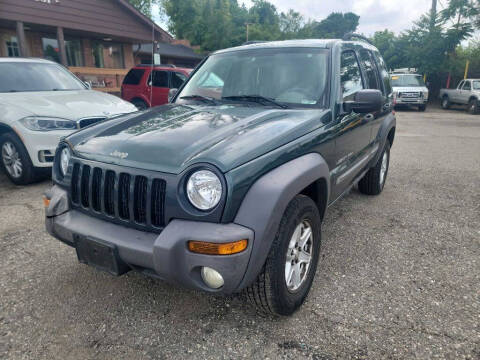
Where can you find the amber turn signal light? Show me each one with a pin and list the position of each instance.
(46, 202)
(208, 248)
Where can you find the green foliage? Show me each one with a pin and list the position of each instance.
(336, 25)
(216, 24)
(144, 6)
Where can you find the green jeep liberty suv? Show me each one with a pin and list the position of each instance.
(224, 189)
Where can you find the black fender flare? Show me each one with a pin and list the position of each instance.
(265, 203)
(382, 135)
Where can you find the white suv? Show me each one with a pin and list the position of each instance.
(40, 103)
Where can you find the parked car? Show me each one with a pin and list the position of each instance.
(226, 192)
(409, 89)
(41, 102)
(467, 93)
(146, 85)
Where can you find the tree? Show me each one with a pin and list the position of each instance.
(144, 6)
(336, 25)
(290, 24)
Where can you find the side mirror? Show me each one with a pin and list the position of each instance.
(171, 94)
(88, 84)
(365, 101)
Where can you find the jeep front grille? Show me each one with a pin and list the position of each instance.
(119, 196)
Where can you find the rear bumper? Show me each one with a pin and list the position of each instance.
(163, 255)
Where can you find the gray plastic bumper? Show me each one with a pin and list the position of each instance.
(162, 255)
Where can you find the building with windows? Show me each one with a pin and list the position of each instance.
(96, 39)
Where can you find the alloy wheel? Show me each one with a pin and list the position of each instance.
(11, 160)
(299, 256)
(383, 168)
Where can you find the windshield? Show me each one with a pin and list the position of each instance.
(25, 76)
(289, 76)
(407, 80)
(476, 85)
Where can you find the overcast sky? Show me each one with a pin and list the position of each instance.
(396, 15)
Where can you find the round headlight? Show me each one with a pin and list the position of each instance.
(65, 156)
(204, 189)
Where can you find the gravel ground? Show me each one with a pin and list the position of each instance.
(399, 275)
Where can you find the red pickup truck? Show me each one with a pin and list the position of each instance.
(146, 85)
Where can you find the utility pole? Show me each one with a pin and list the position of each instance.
(247, 28)
(433, 14)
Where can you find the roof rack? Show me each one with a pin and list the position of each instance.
(158, 65)
(254, 42)
(352, 36)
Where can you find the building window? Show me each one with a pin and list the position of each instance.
(12, 46)
(108, 55)
(73, 49)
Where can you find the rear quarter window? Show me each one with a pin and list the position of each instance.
(133, 77)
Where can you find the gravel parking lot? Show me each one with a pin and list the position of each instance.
(399, 275)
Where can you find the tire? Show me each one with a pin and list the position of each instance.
(140, 104)
(15, 161)
(422, 108)
(270, 292)
(373, 182)
(473, 106)
(445, 103)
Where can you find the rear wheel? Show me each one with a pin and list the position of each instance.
(287, 276)
(374, 180)
(16, 161)
(445, 102)
(140, 104)
(473, 106)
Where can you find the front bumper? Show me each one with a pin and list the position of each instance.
(41, 142)
(163, 255)
(407, 101)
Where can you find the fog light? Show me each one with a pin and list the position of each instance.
(212, 278)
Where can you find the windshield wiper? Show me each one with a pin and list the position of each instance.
(256, 98)
(201, 98)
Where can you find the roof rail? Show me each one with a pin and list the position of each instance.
(254, 42)
(158, 65)
(352, 36)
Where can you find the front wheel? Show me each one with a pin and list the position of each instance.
(445, 103)
(374, 180)
(287, 276)
(15, 160)
(140, 104)
(473, 106)
(422, 107)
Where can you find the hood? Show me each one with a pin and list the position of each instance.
(172, 137)
(72, 105)
(409, 89)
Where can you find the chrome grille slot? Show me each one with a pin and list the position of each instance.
(140, 199)
(96, 189)
(109, 193)
(124, 196)
(158, 201)
(84, 188)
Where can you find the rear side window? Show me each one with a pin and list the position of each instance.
(350, 75)
(177, 80)
(133, 77)
(160, 78)
(370, 70)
